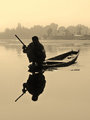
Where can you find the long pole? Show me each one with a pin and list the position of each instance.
(19, 97)
(19, 39)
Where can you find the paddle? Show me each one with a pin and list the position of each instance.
(20, 40)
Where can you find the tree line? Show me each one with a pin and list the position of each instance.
(52, 31)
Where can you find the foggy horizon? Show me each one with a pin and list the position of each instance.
(42, 25)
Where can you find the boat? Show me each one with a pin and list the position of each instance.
(62, 60)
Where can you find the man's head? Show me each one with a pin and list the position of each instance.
(35, 39)
(35, 97)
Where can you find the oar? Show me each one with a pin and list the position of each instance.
(20, 40)
(19, 97)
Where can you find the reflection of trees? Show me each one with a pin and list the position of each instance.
(50, 46)
(17, 48)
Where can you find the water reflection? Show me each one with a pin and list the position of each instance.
(53, 46)
(35, 85)
(15, 47)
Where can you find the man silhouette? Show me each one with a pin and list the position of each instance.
(35, 51)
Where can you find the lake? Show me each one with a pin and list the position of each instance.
(66, 95)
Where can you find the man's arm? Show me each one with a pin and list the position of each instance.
(24, 88)
(24, 49)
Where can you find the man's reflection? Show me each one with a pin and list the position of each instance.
(35, 85)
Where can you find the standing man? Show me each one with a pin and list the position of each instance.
(35, 51)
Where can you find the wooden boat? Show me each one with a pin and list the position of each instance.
(62, 60)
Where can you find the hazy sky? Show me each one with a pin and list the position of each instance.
(43, 12)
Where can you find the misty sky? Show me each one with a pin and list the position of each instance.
(43, 12)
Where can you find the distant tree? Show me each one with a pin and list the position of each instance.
(37, 30)
(19, 27)
(54, 28)
(51, 31)
(88, 32)
(81, 30)
(71, 29)
(61, 31)
(84, 30)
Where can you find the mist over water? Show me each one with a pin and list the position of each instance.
(67, 92)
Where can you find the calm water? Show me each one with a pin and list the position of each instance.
(67, 92)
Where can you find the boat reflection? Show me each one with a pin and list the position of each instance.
(35, 85)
